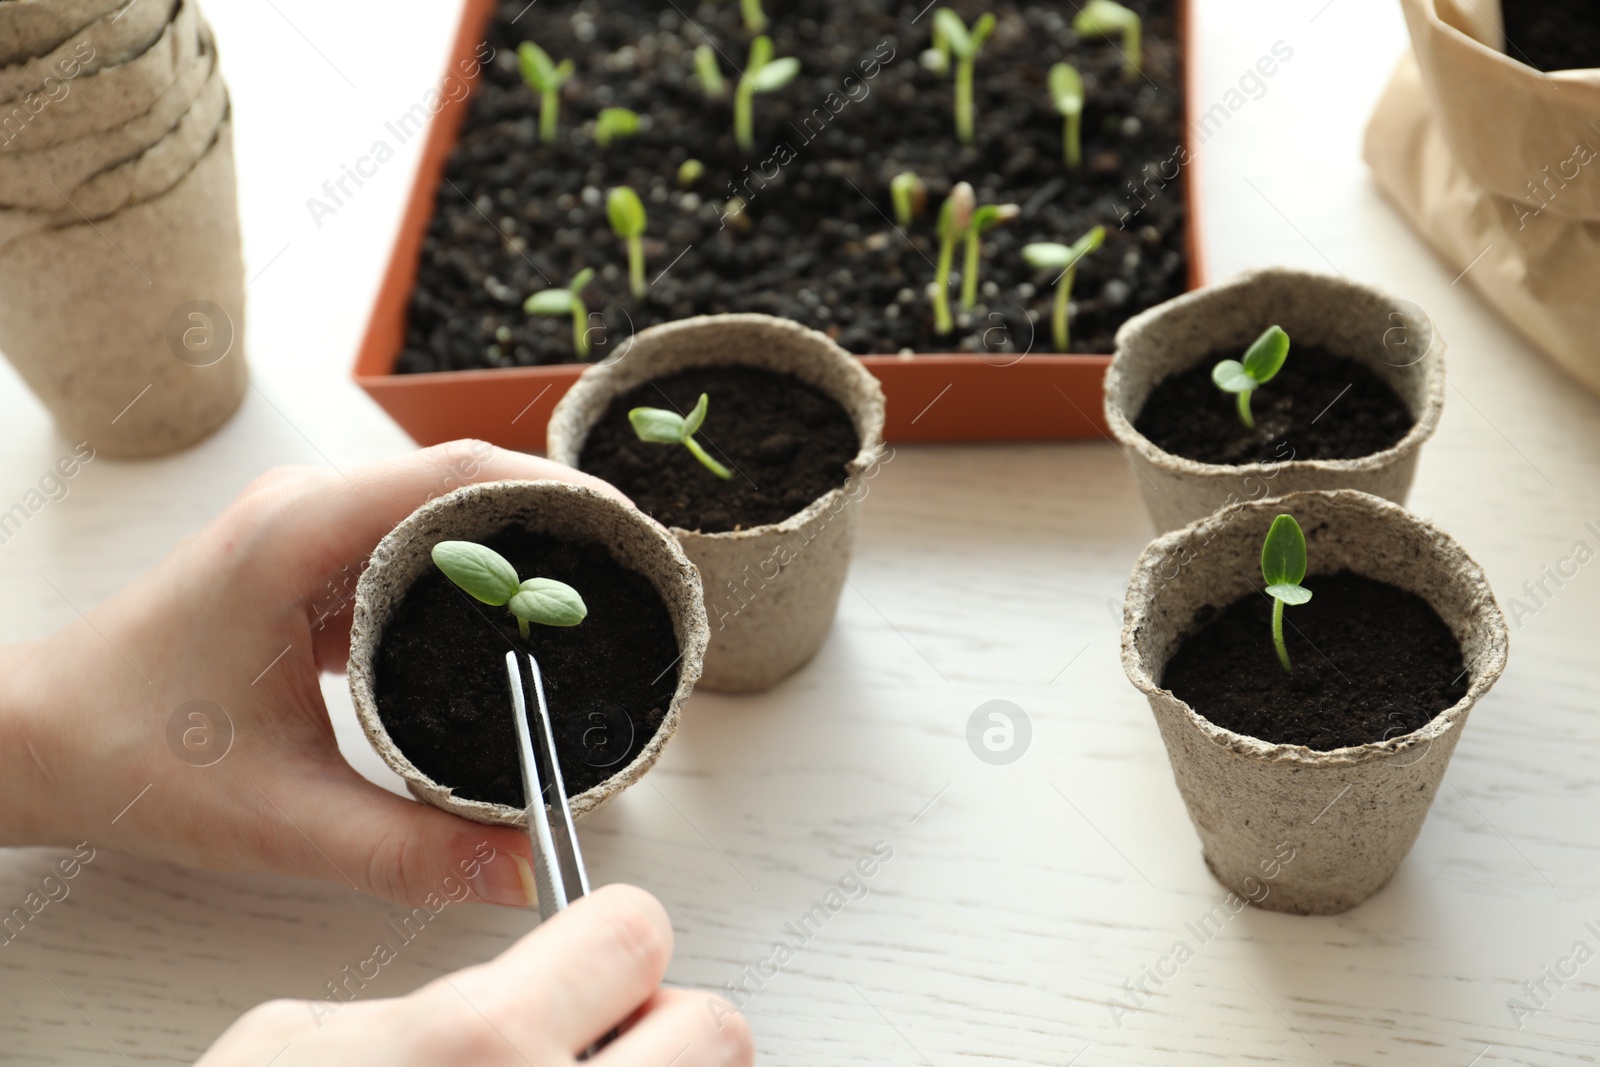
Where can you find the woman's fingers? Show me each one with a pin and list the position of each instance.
(358, 834)
(686, 1029)
(583, 972)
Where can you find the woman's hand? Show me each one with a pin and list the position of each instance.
(543, 1000)
(101, 741)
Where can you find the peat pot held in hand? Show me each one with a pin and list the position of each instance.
(1308, 787)
(1360, 391)
(427, 662)
(790, 437)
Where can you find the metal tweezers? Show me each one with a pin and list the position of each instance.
(558, 871)
(557, 863)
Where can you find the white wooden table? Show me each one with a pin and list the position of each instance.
(1020, 898)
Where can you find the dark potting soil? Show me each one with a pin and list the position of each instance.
(786, 442)
(1370, 662)
(815, 242)
(1553, 34)
(1319, 406)
(441, 680)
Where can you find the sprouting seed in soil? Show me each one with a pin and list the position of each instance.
(908, 195)
(625, 211)
(955, 215)
(1105, 18)
(690, 171)
(568, 301)
(545, 78)
(1066, 93)
(762, 74)
(984, 219)
(1262, 361)
(706, 69)
(755, 20)
(614, 122)
(1047, 255)
(663, 427)
(953, 40)
(487, 576)
(1283, 568)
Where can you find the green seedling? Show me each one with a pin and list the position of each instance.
(1283, 567)
(909, 197)
(487, 576)
(1262, 361)
(1064, 258)
(614, 122)
(706, 69)
(762, 74)
(953, 40)
(955, 216)
(755, 20)
(663, 427)
(1066, 93)
(690, 171)
(568, 301)
(545, 78)
(1105, 18)
(625, 212)
(984, 219)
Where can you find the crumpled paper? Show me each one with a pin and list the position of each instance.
(1498, 166)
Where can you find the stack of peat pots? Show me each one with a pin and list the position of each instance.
(1304, 820)
(121, 280)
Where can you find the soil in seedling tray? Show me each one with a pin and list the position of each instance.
(441, 680)
(1553, 34)
(786, 442)
(815, 242)
(1371, 662)
(1319, 406)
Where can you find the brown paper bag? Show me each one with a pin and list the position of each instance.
(1498, 166)
(131, 329)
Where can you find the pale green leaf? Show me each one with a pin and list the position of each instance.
(657, 425)
(775, 75)
(1265, 357)
(1283, 554)
(625, 211)
(549, 302)
(1066, 89)
(1289, 594)
(697, 417)
(548, 602)
(482, 573)
(951, 33)
(1231, 377)
(1047, 255)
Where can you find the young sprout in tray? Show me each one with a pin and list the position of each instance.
(953, 40)
(614, 122)
(706, 69)
(625, 211)
(545, 78)
(1103, 18)
(1047, 255)
(568, 301)
(1066, 93)
(762, 74)
(487, 576)
(984, 219)
(663, 427)
(1283, 567)
(955, 215)
(755, 20)
(908, 195)
(1262, 361)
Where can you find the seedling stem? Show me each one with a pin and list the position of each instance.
(955, 215)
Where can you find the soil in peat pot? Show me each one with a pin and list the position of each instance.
(1553, 34)
(441, 683)
(786, 442)
(815, 242)
(1319, 406)
(1371, 662)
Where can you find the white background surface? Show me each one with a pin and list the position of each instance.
(1020, 900)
